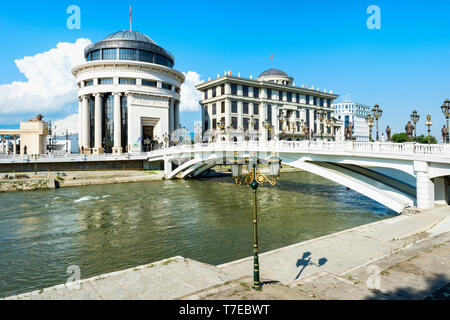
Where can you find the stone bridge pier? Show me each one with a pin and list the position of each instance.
(430, 191)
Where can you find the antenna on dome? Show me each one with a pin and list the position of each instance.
(131, 29)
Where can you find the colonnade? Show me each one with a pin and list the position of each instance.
(5, 142)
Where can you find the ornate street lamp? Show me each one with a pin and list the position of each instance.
(429, 123)
(147, 143)
(321, 118)
(377, 113)
(415, 118)
(369, 120)
(254, 179)
(445, 108)
(266, 124)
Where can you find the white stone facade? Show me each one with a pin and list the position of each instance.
(123, 103)
(355, 113)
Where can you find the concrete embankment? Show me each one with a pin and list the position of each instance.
(27, 184)
(396, 252)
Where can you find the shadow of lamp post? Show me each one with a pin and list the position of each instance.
(445, 108)
(254, 179)
(429, 123)
(415, 118)
(377, 113)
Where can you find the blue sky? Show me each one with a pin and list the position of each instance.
(325, 43)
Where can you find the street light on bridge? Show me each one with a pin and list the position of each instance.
(254, 179)
(369, 120)
(415, 118)
(377, 113)
(429, 123)
(445, 108)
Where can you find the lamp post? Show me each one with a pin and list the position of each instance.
(369, 120)
(415, 118)
(377, 113)
(445, 108)
(266, 124)
(321, 118)
(254, 179)
(147, 143)
(429, 123)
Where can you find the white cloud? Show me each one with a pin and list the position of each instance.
(190, 96)
(50, 84)
(69, 123)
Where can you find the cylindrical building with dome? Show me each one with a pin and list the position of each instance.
(129, 94)
(269, 107)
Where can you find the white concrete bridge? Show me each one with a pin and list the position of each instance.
(395, 175)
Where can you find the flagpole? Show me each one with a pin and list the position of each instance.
(131, 29)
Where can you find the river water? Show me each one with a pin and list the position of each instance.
(107, 228)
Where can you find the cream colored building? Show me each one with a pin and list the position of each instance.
(32, 136)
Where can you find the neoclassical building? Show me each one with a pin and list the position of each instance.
(128, 94)
(268, 107)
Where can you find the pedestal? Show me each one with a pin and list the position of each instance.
(98, 150)
(117, 150)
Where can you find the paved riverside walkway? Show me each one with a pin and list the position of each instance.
(404, 251)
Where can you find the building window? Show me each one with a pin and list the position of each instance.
(105, 81)
(167, 86)
(95, 55)
(289, 96)
(245, 108)
(128, 54)
(214, 92)
(149, 83)
(92, 122)
(307, 99)
(222, 107)
(280, 96)
(146, 56)
(109, 54)
(108, 123)
(297, 114)
(321, 102)
(214, 124)
(89, 83)
(245, 122)
(256, 126)
(222, 89)
(234, 89)
(206, 94)
(124, 122)
(177, 90)
(256, 93)
(234, 107)
(127, 81)
(214, 109)
(269, 93)
(297, 96)
(234, 122)
(269, 113)
(255, 109)
(245, 91)
(315, 101)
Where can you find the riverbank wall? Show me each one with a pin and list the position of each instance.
(17, 185)
(384, 259)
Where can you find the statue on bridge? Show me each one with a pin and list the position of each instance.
(388, 133)
(349, 132)
(38, 118)
(306, 132)
(444, 132)
(409, 130)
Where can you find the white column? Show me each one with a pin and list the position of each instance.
(424, 186)
(176, 112)
(3, 144)
(172, 115)
(80, 117)
(227, 113)
(117, 124)
(85, 124)
(15, 145)
(98, 148)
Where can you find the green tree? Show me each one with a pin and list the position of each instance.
(400, 137)
(424, 139)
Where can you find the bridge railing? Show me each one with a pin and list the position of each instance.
(388, 148)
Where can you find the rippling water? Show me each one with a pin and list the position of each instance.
(112, 227)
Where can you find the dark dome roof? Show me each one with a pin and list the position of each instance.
(130, 35)
(273, 72)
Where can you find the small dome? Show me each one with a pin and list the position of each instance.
(130, 35)
(273, 72)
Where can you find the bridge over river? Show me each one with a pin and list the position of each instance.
(396, 175)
